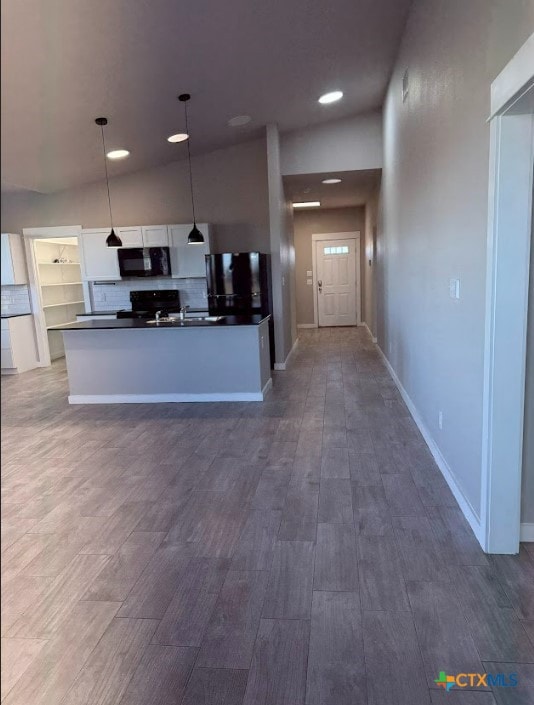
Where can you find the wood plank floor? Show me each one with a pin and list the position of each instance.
(301, 551)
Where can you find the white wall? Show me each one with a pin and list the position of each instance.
(527, 489)
(340, 145)
(434, 226)
(282, 251)
(230, 192)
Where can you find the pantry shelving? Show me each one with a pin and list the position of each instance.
(61, 286)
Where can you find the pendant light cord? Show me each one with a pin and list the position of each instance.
(190, 167)
(107, 177)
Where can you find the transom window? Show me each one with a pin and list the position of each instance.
(341, 250)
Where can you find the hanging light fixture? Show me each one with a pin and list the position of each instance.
(112, 239)
(195, 236)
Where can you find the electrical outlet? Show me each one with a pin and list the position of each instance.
(440, 420)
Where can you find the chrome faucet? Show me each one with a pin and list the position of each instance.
(157, 315)
(183, 310)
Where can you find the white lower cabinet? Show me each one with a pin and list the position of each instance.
(13, 260)
(99, 262)
(19, 346)
(188, 260)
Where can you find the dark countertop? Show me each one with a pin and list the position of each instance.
(140, 323)
(16, 315)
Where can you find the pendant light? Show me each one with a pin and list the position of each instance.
(195, 236)
(112, 239)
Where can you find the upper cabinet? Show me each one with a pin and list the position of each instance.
(144, 236)
(13, 260)
(188, 260)
(131, 236)
(155, 236)
(99, 262)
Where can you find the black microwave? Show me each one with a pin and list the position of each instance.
(144, 262)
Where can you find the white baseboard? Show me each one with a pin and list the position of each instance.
(306, 325)
(465, 505)
(281, 366)
(373, 338)
(526, 532)
(167, 398)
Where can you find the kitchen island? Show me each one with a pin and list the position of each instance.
(120, 361)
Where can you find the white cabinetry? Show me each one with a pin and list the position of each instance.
(144, 236)
(155, 236)
(19, 347)
(188, 260)
(99, 262)
(131, 236)
(13, 260)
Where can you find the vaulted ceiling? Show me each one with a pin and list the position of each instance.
(65, 62)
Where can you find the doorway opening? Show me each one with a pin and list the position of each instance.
(508, 265)
(57, 290)
(330, 206)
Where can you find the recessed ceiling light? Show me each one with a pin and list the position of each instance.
(331, 181)
(331, 97)
(306, 204)
(239, 120)
(118, 154)
(178, 137)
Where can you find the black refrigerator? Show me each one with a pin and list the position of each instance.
(239, 284)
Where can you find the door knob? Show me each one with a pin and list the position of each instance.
(320, 285)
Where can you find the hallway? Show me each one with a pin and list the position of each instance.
(301, 550)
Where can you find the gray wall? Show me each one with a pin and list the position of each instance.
(369, 262)
(230, 192)
(435, 203)
(527, 490)
(340, 145)
(306, 223)
(282, 251)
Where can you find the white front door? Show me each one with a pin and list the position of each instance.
(336, 282)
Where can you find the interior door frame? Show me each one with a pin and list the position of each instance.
(507, 291)
(30, 235)
(328, 237)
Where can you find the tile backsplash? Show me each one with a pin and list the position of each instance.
(112, 296)
(15, 299)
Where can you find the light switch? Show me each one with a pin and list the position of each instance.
(309, 273)
(454, 288)
(309, 282)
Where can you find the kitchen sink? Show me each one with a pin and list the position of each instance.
(210, 319)
(189, 319)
